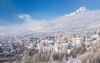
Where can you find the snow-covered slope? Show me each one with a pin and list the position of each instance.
(78, 21)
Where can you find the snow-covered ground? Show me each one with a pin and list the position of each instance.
(74, 61)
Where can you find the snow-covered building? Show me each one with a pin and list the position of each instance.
(30, 45)
(56, 46)
(61, 46)
(77, 41)
(45, 45)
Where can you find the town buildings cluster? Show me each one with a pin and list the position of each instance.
(68, 43)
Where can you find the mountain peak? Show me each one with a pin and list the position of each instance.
(80, 10)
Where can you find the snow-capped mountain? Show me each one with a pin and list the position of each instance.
(82, 20)
(79, 21)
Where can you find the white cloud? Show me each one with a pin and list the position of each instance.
(25, 17)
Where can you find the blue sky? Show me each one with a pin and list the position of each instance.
(40, 9)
